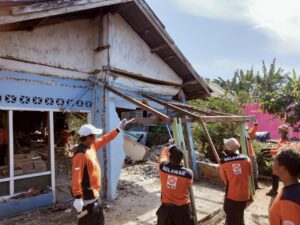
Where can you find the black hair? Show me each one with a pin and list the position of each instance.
(83, 138)
(290, 159)
(176, 154)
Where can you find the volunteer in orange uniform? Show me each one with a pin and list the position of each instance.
(175, 181)
(284, 141)
(252, 155)
(235, 170)
(286, 207)
(86, 174)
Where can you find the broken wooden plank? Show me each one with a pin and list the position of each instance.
(168, 105)
(138, 103)
(199, 110)
(224, 119)
(142, 120)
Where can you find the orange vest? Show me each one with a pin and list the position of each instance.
(86, 174)
(286, 207)
(175, 181)
(235, 170)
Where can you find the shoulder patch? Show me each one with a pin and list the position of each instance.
(291, 193)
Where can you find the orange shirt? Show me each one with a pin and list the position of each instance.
(175, 181)
(282, 142)
(235, 170)
(86, 174)
(249, 140)
(286, 207)
(3, 136)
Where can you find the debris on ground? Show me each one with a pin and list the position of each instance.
(126, 188)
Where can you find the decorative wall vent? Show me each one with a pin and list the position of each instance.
(37, 100)
(79, 103)
(24, 99)
(88, 104)
(10, 98)
(49, 101)
(60, 102)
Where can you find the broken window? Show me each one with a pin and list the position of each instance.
(31, 142)
(4, 145)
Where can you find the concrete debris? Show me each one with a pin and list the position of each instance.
(134, 150)
(145, 170)
(127, 188)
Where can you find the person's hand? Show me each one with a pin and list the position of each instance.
(255, 122)
(78, 204)
(171, 141)
(122, 124)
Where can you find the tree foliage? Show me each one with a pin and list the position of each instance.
(217, 131)
(276, 90)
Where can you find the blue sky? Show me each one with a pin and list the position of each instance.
(220, 36)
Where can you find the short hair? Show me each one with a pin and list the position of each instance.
(83, 138)
(176, 154)
(290, 159)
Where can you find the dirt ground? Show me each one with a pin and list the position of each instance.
(139, 198)
(256, 213)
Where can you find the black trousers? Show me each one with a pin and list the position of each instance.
(174, 215)
(275, 182)
(234, 211)
(94, 216)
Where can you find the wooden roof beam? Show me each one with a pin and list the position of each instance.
(199, 110)
(164, 117)
(158, 48)
(195, 117)
(139, 77)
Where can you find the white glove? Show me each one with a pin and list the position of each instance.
(122, 124)
(78, 204)
(171, 141)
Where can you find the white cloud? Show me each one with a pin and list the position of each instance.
(279, 19)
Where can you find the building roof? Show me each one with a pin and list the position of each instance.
(27, 15)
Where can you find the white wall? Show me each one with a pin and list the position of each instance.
(129, 52)
(68, 45)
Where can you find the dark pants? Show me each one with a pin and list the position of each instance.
(95, 215)
(174, 215)
(234, 211)
(275, 182)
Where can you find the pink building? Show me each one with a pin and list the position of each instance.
(267, 122)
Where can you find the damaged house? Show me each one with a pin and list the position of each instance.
(83, 61)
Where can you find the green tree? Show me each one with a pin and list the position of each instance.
(217, 131)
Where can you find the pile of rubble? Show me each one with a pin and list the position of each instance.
(126, 188)
(145, 170)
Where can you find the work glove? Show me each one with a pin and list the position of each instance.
(122, 124)
(78, 204)
(171, 142)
